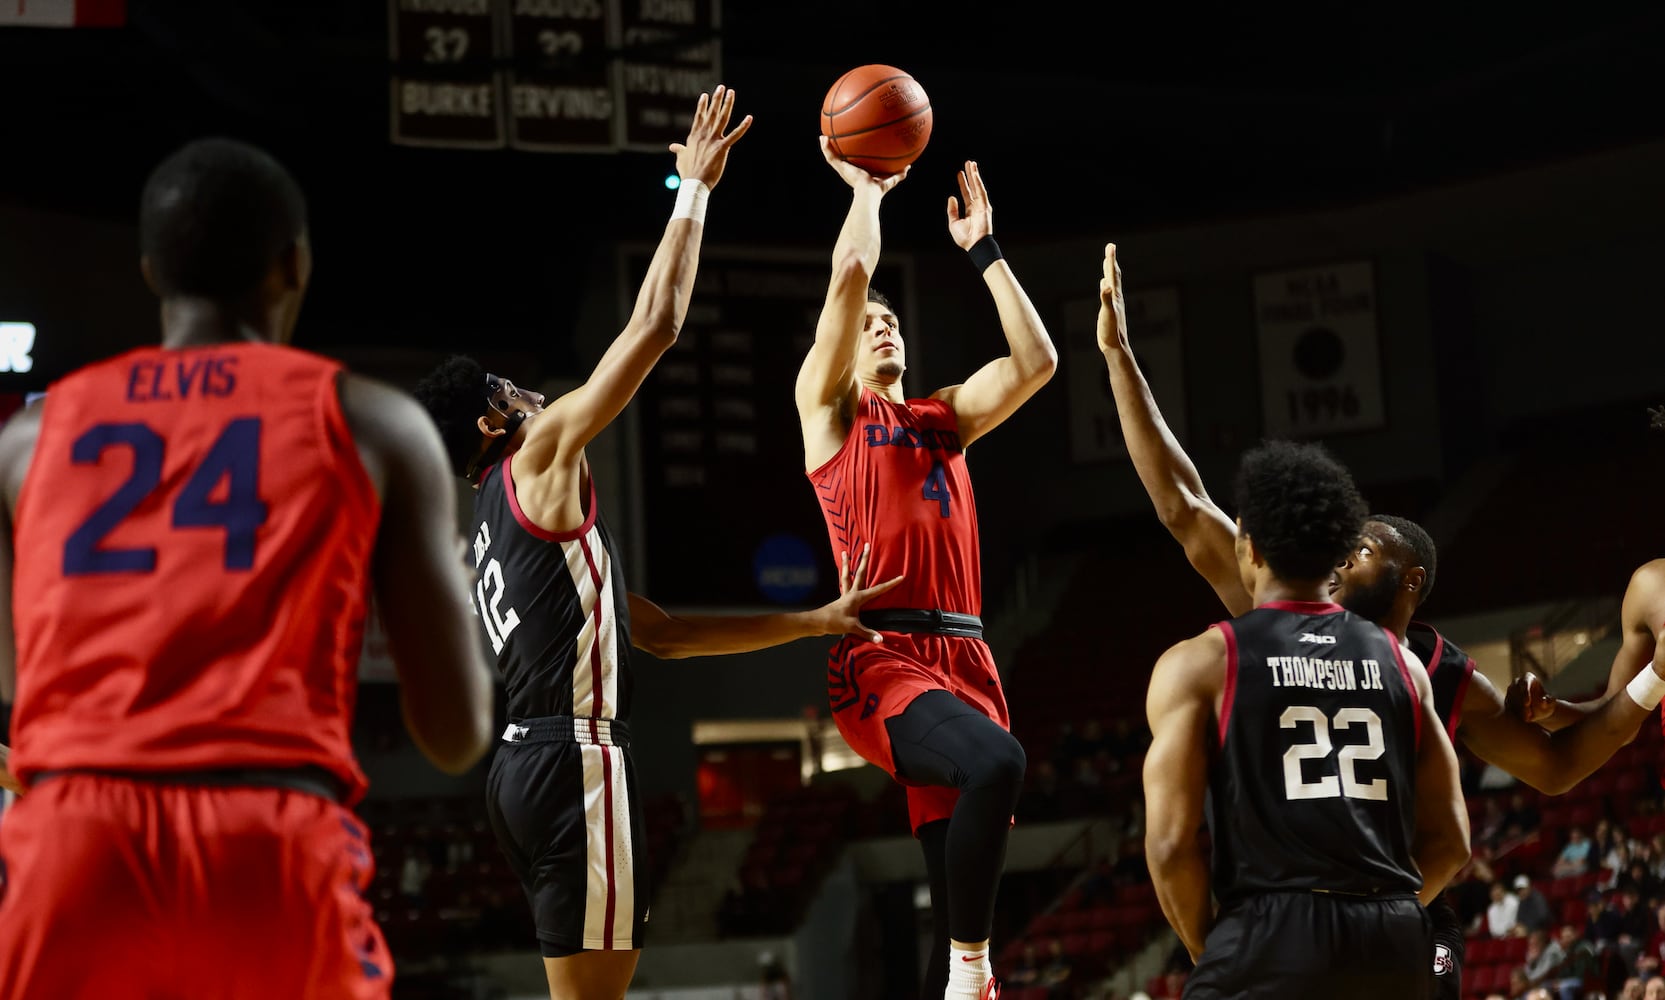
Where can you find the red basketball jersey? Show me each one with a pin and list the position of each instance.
(193, 545)
(900, 482)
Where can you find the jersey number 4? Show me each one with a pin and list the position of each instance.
(1331, 786)
(234, 457)
(936, 488)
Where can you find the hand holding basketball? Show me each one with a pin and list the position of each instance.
(855, 176)
(977, 218)
(705, 154)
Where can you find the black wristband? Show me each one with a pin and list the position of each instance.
(983, 253)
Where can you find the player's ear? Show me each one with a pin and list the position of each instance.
(294, 265)
(1413, 580)
(489, 429)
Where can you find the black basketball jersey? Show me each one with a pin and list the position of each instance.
(1449, 672)
(553, 605)
(1314, 786)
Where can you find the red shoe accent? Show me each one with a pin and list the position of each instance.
(991, 991)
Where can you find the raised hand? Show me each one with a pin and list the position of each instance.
(705, 154)
(1112, 309)
(976, 220)
(843, 615)
(855, 176)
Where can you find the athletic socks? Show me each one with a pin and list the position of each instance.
(968, 973)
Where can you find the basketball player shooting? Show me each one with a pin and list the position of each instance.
(1322, 853)
(927, 705)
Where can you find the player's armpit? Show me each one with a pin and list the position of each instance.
(1180, 705)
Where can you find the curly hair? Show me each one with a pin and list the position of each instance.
(1421, 544)
(454, 394)
(214, 216)
(1300, 507)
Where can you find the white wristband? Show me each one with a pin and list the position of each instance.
(1646, 689)
(690, 201)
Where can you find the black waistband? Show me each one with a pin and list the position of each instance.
(924, 620)
(311, 780)
(569, 729)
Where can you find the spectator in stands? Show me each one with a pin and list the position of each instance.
(1522, 818)
(1632, 989)
(1603, 924)
(1581, 965)
(1027, 971)
(1574, 858)
(1612, 867)
(1654, 990)
(1517, 983)
(1539, 994)
(1058, 966)
(1605, 843)
(1044, 800)
(1502, 914)
(1534, 913)
(1544, 957)
(1489, 827)
(1470, 891)
(1640, 878)
(1652, 958)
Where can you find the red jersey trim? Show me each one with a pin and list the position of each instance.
(536, 530)
(1405, 672)
(338, 445)
(1305, 607)
(1457, 702)
(1229, 694)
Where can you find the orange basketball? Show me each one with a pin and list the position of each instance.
(878, 118)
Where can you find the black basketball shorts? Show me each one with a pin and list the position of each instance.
(1316, 946)
(567, 814)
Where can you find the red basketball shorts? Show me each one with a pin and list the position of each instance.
(869, 683)
(121, 888)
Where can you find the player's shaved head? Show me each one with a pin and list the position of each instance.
(214, 218)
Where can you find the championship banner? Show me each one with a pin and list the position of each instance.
(561, 95)
(1320, 361)
(671, 56)
(63, 13)
(1154, 331)
(445, 89)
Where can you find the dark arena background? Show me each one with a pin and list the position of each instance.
(1433, 240)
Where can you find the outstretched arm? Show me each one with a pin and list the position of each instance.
(1180, 707)
(1176, 490)
(1439, 843)
(1641, 620)
(673, 637)
(661, 303)
(826, 384)
(995, 391)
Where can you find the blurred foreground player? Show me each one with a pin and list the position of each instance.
(1307, 736)
(197, 529)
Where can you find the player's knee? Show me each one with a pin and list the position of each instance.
(1004, 764)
